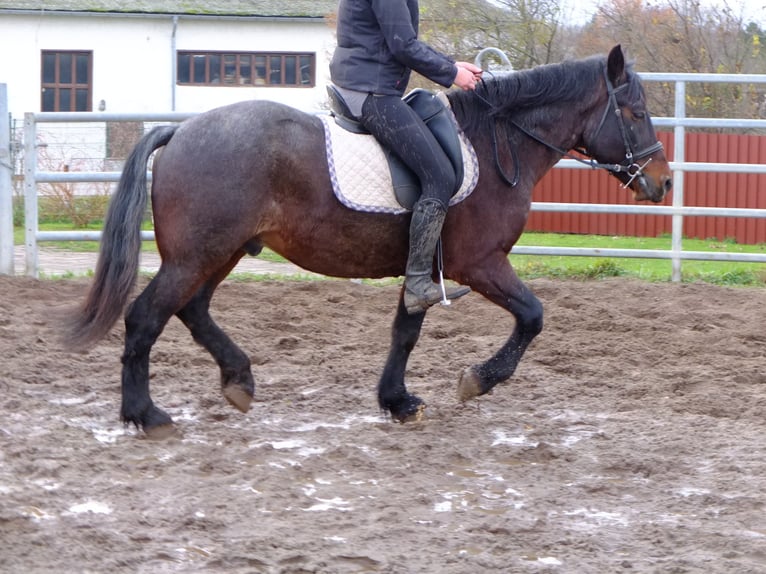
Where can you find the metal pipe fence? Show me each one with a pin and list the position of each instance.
(6, 191)
(678, 211)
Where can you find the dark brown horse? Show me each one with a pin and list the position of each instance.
(235, 179)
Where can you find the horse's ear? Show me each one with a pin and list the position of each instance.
(615, 65)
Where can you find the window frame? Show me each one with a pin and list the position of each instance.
(60, 85)
(245, 69)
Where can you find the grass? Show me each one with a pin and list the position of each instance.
(530, 266)
(719, 272)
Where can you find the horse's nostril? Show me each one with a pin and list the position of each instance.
(668, 185)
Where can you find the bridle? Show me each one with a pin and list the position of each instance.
(630, 165)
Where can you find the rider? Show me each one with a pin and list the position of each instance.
(377, 49)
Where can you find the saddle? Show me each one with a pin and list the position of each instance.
(434, 114)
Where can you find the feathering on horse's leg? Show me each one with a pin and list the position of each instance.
(392, 392)
(515, 297)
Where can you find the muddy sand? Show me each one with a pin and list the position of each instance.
(631, 439)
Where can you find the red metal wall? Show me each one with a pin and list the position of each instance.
(700, 189)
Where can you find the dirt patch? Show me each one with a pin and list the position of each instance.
(631, 438)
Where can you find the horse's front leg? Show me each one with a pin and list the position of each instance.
(500, 285)
(392, 392)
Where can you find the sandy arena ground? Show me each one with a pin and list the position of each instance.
(630, 440)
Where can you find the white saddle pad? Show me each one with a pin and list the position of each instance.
(360, 175)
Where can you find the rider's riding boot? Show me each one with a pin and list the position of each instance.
(425, 228)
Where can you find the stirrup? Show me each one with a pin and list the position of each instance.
(433, 294)
(445, 299)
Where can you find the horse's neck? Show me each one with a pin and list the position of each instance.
(560, 127)
(557, 130)
(523, 154)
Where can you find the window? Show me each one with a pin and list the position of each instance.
(67, 81)
(246, 69)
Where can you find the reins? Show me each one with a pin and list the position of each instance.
(493, 132)
(629, 166)
(514, 157)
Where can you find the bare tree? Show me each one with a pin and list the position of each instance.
(660, 35)
(684, 36)
(536, 31)
(526, 30)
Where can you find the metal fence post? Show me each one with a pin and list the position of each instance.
(30, 195)
(679, 156)
(6, 187)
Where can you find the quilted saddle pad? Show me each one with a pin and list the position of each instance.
(361, 178)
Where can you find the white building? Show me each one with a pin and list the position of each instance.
(162, 55)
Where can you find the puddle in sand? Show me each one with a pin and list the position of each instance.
(487, 492)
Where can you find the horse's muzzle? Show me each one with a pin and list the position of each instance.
(647, 189)
(653, 182)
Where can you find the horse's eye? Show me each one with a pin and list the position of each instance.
(639, 115)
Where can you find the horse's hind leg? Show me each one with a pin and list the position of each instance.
(145, 319)
(392, 392)
(236, 375)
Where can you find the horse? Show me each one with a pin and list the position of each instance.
(233, 180)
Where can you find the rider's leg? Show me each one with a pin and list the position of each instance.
(397, 127)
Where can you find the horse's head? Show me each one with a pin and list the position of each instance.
(623, 137)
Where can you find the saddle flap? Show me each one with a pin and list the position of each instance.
(404, 181)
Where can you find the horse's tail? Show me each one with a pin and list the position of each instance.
(118, 259)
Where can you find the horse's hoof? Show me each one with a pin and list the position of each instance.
(414, 417)
(157, 424)
(160, 432)
(469, 385)
(412, 409)
(238, 397)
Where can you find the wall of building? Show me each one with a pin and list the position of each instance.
(133, 58)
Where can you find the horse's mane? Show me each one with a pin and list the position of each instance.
(514, 93)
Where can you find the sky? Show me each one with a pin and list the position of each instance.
(752, 10)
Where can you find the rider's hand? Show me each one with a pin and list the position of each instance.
(467, 75)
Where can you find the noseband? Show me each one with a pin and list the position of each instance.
(629, 165)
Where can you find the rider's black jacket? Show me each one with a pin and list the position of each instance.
(378, 46)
